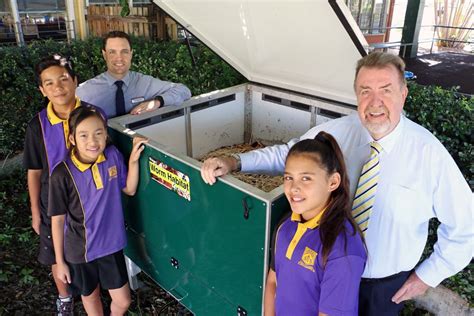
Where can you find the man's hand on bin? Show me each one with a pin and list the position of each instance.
(146, 106)
(216, 167)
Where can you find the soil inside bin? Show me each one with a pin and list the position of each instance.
(263, 182)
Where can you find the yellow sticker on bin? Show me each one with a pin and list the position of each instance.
(170, 178)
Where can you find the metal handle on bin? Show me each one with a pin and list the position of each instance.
(171, 292)
(177, 295)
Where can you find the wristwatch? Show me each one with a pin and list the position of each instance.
(160, 99)
(239, 162)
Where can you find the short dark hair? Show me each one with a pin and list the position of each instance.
(382, 60)
(115, 34)
(54, 60)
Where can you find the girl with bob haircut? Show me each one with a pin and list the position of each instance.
(87, 217)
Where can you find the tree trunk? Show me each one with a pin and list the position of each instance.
(442, 301)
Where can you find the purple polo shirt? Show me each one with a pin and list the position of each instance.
(304, 287)
(90, 197)
(46, 145)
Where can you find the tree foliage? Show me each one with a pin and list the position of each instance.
(449, 116)
(453, 13)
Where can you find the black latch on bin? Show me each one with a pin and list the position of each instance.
(174, 262)
(241, 311)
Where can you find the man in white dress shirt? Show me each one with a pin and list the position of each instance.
(418, 180)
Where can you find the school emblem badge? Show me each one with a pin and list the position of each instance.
(112, 172)
(308, 259)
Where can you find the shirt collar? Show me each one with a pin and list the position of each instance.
(111, 80)
(387, 142)
(312, 223)
(84, 166)
(53, 118)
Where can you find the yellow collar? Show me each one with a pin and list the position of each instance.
(300, 230)
(312, 223)
(84, 166)
(53, 118)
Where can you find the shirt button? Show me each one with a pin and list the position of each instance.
(45, 248)
(49, 237)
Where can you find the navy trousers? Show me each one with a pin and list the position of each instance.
(375, 295)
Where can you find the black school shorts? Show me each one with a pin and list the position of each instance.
(109, 272)
(46, 251)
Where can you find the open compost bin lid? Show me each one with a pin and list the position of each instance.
(309, 46)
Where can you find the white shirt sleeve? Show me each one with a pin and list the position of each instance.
(271, 160)
(453, 206)
(268, 160)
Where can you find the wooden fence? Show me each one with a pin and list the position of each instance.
(145, 20)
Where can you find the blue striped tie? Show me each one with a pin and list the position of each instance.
(366, 188)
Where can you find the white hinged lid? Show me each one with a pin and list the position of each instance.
(310, 46)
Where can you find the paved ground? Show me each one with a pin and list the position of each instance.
(446, 69)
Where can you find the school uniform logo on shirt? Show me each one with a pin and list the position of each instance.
(308, 259)
(112, 172)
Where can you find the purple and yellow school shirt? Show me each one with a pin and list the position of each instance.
(47, 144)
(304, 287)
(90, 197)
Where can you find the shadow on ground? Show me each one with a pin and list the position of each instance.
(445, 69)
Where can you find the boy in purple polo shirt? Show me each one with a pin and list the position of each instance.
(319, 254)
(46, 145)
(86, 208)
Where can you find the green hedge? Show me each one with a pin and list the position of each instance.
(449, 116)
(20, 98)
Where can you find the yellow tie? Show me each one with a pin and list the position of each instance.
(366, 188)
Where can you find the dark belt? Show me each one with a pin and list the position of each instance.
(387, 278)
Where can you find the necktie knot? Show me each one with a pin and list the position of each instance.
(375, 148)
(119, 83)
